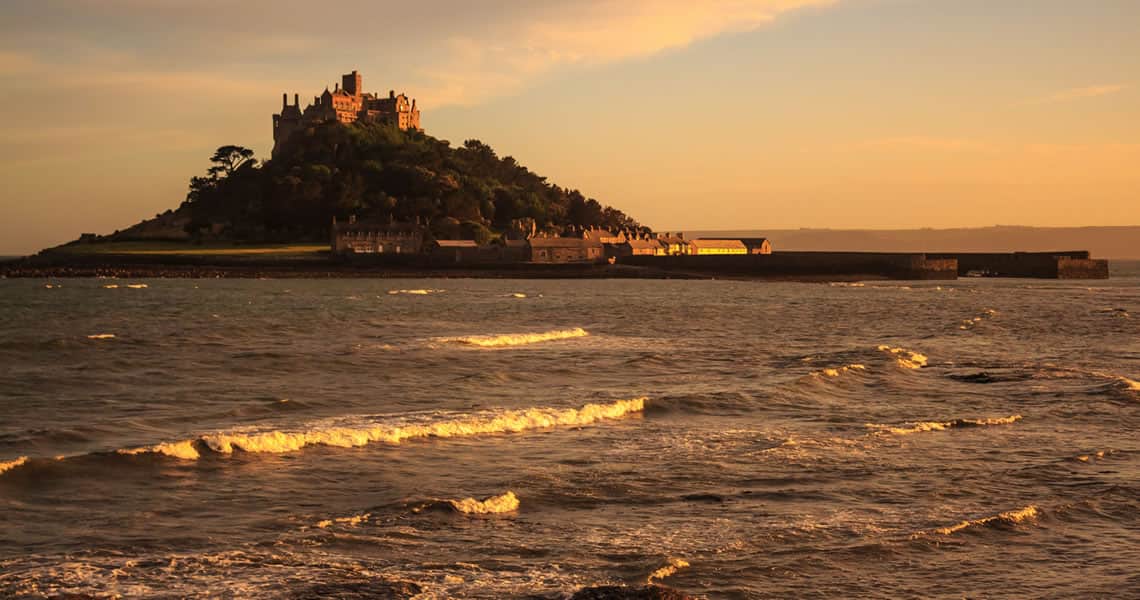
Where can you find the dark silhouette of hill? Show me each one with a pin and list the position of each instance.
(371, 171)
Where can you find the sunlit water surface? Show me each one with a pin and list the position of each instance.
(491, 439)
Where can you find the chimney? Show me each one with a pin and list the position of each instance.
(391, 93)
(284, 100)
(336, 87)
(297, 100)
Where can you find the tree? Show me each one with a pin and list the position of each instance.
(228, 159)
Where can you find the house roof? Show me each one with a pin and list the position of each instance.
(563, 242)
(709, 243)
(636, 243)
(456, 244)
(409, 228)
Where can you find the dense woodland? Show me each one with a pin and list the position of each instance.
(376, 171)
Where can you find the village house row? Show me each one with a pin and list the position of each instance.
(591, 245)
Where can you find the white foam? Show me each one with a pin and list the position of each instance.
(511, 421)
(514, 339)
(671, 567)
(419, 292)
(111, 286)
(101, 336)
(1009, 517)
(6, 466)
(906, 358)
(352, 521)
(137, 286)
(837, 371)
(924, 426)
(494, 505)
(184, 449)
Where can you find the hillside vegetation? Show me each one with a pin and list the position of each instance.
(375, 171)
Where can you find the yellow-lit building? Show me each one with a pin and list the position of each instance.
(704, 247)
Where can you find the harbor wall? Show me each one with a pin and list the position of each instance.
(1075, 264)
(870, 265)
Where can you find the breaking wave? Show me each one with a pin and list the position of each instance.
(12, 464)
(512, 421)
(670, 568)
(101, 336)
(184, 449)
(414, 292)
(906, 358)
(494, 505)
(350, 521)
(924, 426)
(137, 286)
(1006, 518)
(515, 339)
(836, 372)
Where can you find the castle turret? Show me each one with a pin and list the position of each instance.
(352, 83)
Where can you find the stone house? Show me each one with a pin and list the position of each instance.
(564, 250)
(357, 237)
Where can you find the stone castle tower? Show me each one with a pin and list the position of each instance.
(347, 103)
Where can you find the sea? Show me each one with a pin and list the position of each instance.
(478, 438)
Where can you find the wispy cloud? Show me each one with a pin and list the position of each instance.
(1078, 93)
(505, 59)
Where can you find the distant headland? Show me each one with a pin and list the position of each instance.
(355, 185)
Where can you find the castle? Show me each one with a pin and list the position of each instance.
(347, 103)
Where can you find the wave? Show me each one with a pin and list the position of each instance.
(137, 286)
(515, 295)
(1120, 381)
(350, 521)
(836, 372)
(1006, 518)
(1093, 456)
(671, 567)
(514, 339)
(420, 292)
(101, 336)
(111, 286)
(905, 358)
(184, 449)
(924, 426)
(6, 466)
(512, 421)
(493, 505)
(985, 314)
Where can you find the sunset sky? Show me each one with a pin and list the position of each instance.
(719, 114)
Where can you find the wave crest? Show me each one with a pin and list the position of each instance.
(905, 358)
(493, 505)
(345, 437)
(183, 449)
(6, 466)
(671, 567)
(837, 371)
(1008, 518)
(350, 521)
(515, 339)
(414, 292)
(924, 426)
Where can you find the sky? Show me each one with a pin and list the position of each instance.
(719, 114)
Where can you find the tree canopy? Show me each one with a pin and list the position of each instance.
(376, 171)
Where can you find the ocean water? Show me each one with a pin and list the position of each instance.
(520, 439)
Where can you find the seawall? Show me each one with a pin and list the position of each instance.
(1072, 264)
(807, 265)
